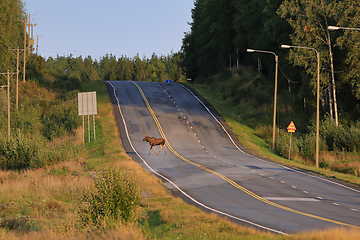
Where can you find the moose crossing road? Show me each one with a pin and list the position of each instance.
(207, 166)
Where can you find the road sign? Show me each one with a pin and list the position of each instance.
(168, 81)
(291, 128)
(87, 103)
(87, 106)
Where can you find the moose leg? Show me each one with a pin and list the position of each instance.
(165, 149)
(151, 149)
(154, 150)
(160, 149)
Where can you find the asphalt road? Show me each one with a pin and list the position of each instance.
(208, 167)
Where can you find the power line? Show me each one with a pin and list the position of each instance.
(329, 70)
(291, 80)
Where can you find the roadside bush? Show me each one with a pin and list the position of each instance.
(27, 120)
(60, 120)
(264, 132)
(282, 145)
(31, 151)
(307, 144)
(339, 137)
(67, 83)
(346, 169)
(22, 152)
(114, 198)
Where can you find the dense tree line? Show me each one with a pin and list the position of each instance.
(222, 30)
(108, 68)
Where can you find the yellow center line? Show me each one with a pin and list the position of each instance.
(228, 179)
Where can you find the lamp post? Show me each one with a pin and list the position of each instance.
(275, 92)
(333, 28)
(317, 98)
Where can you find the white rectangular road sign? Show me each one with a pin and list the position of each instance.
(87, 103)
(87, 106)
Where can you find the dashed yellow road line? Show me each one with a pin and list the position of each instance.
(228, 179)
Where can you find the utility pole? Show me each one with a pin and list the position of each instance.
(8, 74)
(26, 38)
(25, 24)
(37, 43)
(32, 41)
(28, 26)
(18, 51)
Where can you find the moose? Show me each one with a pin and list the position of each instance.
(155, 141)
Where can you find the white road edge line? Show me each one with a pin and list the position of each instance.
(185, 194)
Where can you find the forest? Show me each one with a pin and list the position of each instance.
(109, 68)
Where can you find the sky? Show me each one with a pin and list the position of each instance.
(117, 27)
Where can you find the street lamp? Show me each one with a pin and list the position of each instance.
(333, 28)
(275, 93)
(317, 98)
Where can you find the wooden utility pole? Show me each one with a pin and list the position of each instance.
(8, 74)
(26, 41)
(28, 26)
(18, 51)
(37, 43)
(25, 49)
(32, 41)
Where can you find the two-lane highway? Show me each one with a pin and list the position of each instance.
(209, 167)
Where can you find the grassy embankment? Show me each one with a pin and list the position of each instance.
(44, 202)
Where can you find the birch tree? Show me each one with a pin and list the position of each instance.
(349, 40)
(310, 20)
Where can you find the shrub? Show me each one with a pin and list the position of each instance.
(324, 164)
(67, 83)
(264, 132)
(346, 169)
(282, 145)
(114, 197)
(307, 145)
(59, 120)
(21, 152)
(31, 151)
(27, 120)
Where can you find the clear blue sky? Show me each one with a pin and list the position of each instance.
(118, 27)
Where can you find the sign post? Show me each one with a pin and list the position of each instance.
(291, 129)
(87, 106)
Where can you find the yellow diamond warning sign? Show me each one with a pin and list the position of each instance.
(291, 128)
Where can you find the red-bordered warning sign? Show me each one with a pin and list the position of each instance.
(291, 128)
